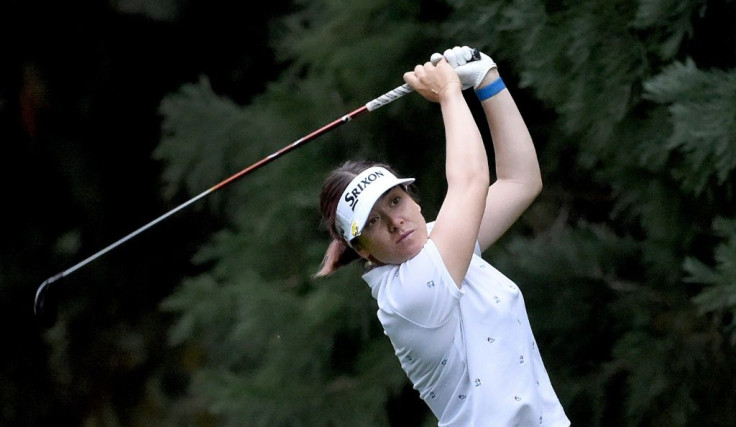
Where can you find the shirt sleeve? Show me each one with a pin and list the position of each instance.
(421, 289)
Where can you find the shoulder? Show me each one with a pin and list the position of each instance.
(477, 250)
(420, 289)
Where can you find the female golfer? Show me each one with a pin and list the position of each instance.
(458, 326)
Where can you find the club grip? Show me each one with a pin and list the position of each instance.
(389, 97)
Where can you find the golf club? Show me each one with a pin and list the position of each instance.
(45, 304)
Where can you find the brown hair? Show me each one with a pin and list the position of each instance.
(339, 253)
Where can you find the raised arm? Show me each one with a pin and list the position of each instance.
(518, 179)
(466, 166)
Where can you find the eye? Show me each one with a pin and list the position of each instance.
(371, 221)
(395, 201)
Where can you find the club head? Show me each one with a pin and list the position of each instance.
(45, 305)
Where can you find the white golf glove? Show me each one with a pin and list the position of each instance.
(470, 69)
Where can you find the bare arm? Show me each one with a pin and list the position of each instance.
(466, 166)
(519, 179)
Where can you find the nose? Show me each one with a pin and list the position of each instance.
(394, 222)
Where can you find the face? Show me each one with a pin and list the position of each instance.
(395, 230)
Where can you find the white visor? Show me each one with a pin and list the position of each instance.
(359, 197)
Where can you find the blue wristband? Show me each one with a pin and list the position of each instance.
(490, 90)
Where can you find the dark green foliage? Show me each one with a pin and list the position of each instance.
(627, 260)
(630, 290)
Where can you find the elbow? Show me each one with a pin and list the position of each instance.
(482, 184)
(531, 187)
(536, 187)
(482, 177)
(470, 179)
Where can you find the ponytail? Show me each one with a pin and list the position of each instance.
(337, 255)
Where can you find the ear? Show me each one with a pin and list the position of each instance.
(358, 248)
(363, 253)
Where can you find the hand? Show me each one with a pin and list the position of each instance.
(470, 64)
(432, 81)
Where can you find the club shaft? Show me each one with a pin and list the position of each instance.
(107, 249)
(370, 106)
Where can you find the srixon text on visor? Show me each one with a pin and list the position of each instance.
(352, 197)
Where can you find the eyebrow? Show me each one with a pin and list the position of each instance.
(384, 195)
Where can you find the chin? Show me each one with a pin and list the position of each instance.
(414, 251)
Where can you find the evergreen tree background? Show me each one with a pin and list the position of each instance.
(627, 260)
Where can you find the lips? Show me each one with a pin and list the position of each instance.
(404, 236)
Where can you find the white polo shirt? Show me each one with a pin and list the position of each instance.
(469, 351)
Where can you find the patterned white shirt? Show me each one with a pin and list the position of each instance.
(469, 351)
